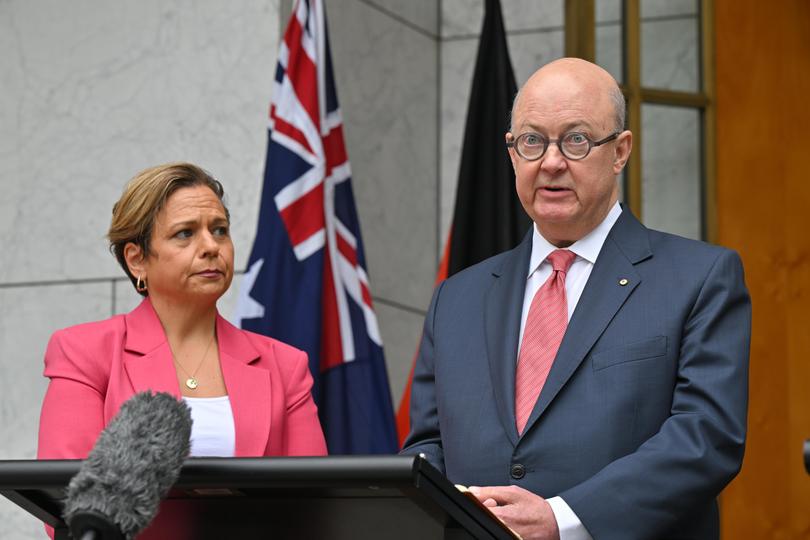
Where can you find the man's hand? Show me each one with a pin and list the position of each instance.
(527, 514)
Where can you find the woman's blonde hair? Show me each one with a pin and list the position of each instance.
(133, 216)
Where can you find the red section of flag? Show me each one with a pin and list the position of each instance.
(304, 217)
(366, 294)
(301, 71)
(347, 250)
(331, 345)
(335, 149)
(283, 127)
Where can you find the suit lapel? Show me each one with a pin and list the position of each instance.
(603, 296)
(149, 365)
(248, 387)
(503, 304)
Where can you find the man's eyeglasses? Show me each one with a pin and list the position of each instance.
(573, 145)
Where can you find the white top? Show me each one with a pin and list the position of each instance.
(587, 250)
(212, 433)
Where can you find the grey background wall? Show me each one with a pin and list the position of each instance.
(92, 92)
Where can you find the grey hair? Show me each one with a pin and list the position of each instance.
(616, 97)
(619, 108)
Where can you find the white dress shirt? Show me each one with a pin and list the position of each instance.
(587, 250)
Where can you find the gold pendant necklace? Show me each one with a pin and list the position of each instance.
(191, 382)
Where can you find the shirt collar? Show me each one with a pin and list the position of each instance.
(587, 247)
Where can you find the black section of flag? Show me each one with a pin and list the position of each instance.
(488, 217)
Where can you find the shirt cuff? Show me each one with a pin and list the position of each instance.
(571, 528)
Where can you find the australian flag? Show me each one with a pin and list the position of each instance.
(306, 282)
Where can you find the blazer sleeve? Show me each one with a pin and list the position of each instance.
(425, 433)
(72, 415)
(304, 436)
(699, 448)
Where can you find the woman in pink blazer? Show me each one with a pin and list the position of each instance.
(249, 394)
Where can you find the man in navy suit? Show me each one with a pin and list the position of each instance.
(641, 416)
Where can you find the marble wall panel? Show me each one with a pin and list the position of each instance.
(423, 14)
(671, 170)
(401, 331)
(98, 91)
(529, 52)
(29, 317)
(458, 64)
(386, 76)
(463, 18)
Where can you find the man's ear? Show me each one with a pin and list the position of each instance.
(512, 156)
(624, 145)
(133, 255)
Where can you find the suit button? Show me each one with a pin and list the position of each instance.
(517, 471)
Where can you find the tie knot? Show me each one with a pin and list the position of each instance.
(561, 259)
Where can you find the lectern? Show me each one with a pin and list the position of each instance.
(347, 497)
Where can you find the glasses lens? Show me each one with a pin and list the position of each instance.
(576, 145)
(531, 145)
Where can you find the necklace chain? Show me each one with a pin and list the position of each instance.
(191, 382)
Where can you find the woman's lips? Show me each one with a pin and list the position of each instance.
(210, 273)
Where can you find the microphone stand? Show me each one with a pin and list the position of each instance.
(91, 525)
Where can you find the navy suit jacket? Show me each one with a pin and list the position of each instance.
(642, 420)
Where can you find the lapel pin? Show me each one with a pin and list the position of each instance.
(623, 282)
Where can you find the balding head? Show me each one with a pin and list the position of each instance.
(587, 73)
(574, 100)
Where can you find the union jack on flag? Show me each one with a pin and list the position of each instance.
(306, 282)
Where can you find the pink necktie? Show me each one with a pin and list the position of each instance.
(542, 335)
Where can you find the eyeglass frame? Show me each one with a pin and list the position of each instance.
(547, 142)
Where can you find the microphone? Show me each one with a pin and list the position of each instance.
(134, 462)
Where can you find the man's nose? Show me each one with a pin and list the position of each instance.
(553, 161)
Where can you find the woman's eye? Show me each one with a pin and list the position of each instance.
(185, 233)
(221, 231)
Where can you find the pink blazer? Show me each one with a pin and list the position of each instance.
(95, 367)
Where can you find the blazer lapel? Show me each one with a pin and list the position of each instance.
(150, 364)
(248, 387)
(605, 292)
(503, 305)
